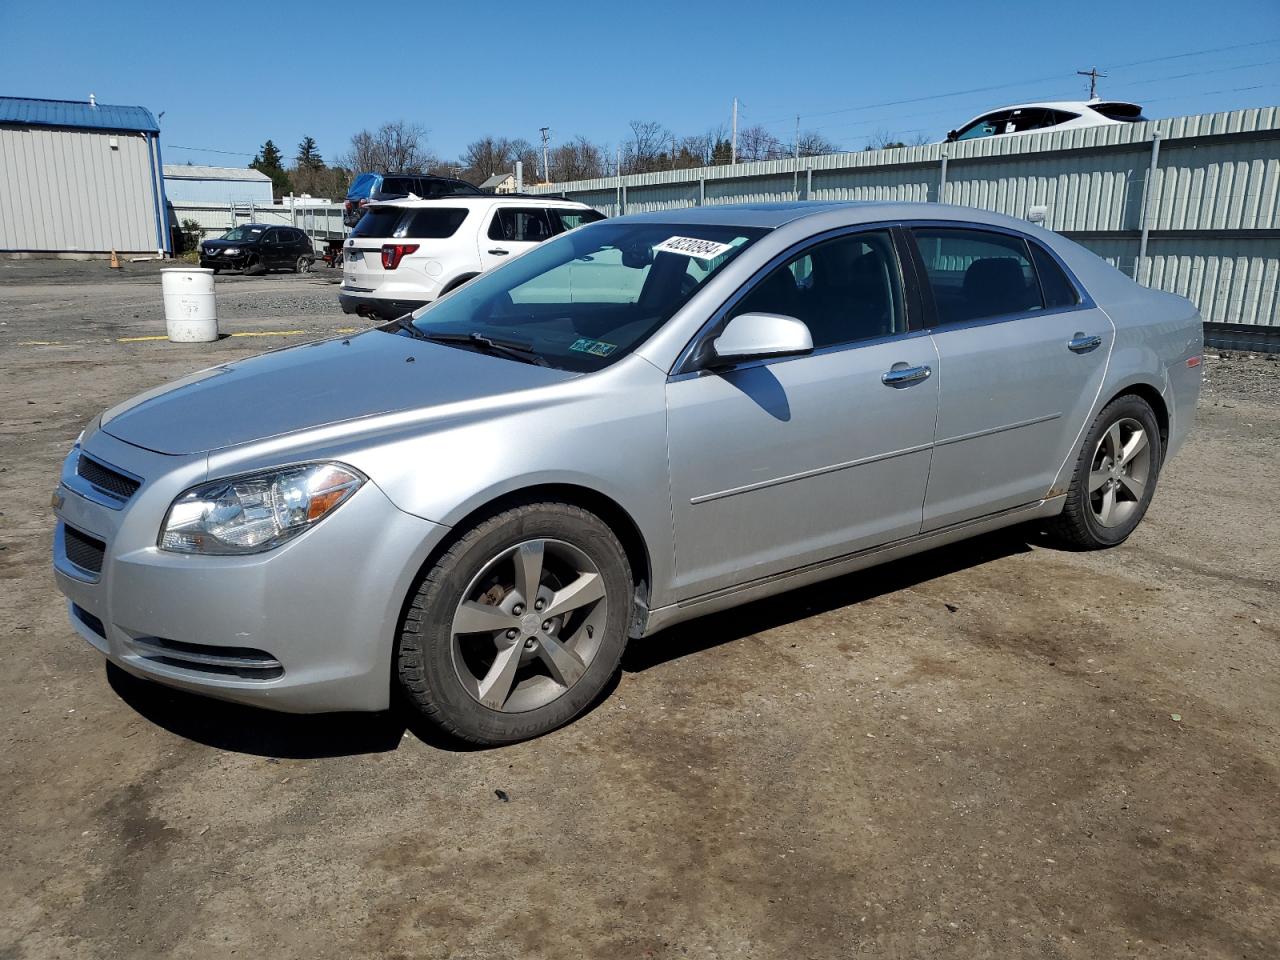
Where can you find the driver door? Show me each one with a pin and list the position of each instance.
(776, 464)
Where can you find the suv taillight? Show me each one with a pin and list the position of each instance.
(393, 253)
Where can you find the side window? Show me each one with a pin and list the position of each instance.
(845, 290)
(575, 218)
(992, 125)
(1058, 290)
(271, 236)
(520, 225)
(975, 274)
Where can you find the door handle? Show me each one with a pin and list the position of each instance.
(1083, 343)
(499, 252)
(904, 376)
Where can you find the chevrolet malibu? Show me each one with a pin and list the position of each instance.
(636, 423)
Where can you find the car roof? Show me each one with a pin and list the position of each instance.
(771, 215)
(472, 200)
(1079, 106)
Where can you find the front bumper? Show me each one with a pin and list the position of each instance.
(307, 627)
(224, 263)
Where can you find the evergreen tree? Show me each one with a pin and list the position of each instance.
(308, 156)
(267, 160)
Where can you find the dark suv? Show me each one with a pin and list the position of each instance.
(394, 186)
(257, 248)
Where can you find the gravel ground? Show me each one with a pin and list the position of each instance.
(998, 749)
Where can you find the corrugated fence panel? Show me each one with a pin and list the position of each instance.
(71, 191)
(1212, 207)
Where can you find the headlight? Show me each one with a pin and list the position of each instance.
(258, 511)
(230, 251)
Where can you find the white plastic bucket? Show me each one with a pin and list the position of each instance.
(190, 312)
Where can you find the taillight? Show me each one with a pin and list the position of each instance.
(393, 253)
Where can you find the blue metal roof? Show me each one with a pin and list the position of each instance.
(76, 114)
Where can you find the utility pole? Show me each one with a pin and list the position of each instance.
(795, 173)
(546, 167)
(733, 144)
(1094, 76)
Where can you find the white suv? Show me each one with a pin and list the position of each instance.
(406, 253)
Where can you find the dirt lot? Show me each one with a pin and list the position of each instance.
(975, 753)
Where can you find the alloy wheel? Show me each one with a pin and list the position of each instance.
(528, 625)
(1120, 472)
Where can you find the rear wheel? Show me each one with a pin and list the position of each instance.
(1115, 476)
(519, 625)
(303, 265)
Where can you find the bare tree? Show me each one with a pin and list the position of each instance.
(885, 140)
(812, 144)
(647, 147)
(397, 147)
(757, 143)
(579, 159)
(485, 157)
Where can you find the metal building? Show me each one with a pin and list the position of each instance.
(80, 178)
(190, 183)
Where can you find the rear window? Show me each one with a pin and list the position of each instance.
(1124, 112)
(378, 223)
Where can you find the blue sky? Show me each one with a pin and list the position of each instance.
(228, 76)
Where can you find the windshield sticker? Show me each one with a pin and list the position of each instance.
(693, 247)
(597, 348)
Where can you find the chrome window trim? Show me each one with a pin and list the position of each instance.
(682, 369)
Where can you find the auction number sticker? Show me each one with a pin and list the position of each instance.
(693, 247)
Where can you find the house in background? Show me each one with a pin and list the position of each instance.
(80, 179)
(500, 183)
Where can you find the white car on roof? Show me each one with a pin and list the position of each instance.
(1055, 115)
(406, 253)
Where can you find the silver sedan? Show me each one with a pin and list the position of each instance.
(639, 422)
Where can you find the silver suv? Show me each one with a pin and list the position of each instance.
(639, 422)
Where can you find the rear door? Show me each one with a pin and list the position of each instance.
(510, 231)
(1021, 355)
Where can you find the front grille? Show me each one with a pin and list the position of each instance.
(243, 662)
(104, 478)
(84, 551)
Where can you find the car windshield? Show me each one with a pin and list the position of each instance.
(587, 298)
(244, 234)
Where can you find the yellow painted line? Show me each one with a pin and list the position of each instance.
(271, 333)
(40, 343)
(161, 336)
(138, 339)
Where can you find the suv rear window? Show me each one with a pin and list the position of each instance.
(435, 223)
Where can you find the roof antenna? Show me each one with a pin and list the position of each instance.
(93, 100)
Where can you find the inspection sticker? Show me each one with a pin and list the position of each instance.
(596, 348)
(693, 247)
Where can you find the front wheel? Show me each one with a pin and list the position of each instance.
(519, 626)
(1115, 476)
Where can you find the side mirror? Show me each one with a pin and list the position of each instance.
(759, 336)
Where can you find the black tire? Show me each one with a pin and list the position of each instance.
(216, 271)
(1079, 525)
(303, 265)
(425, 661)
(254, 269)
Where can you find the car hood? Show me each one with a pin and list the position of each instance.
(298, 388)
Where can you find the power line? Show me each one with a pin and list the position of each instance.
(230, 153)
(1015, 83)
